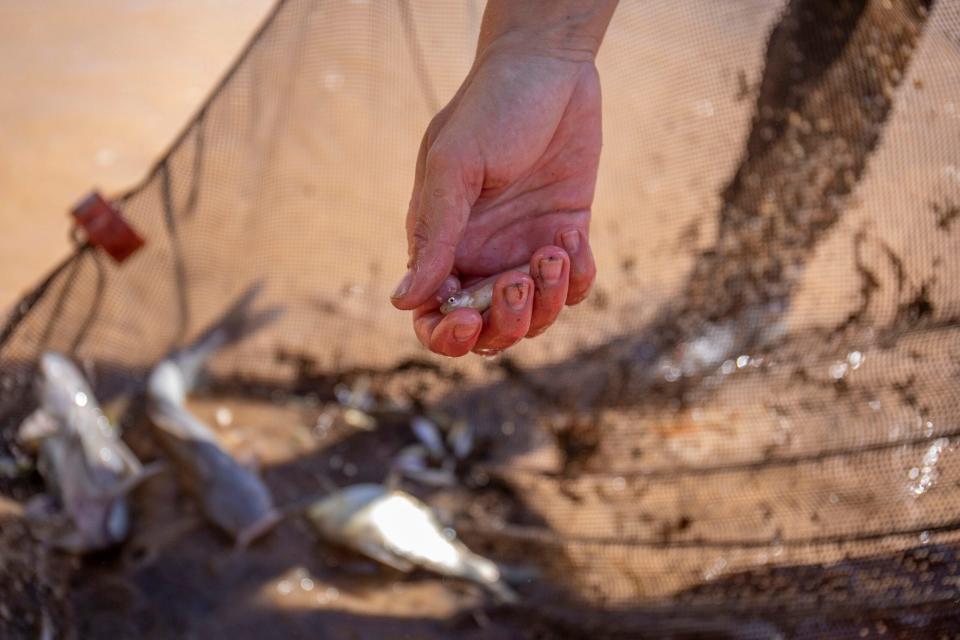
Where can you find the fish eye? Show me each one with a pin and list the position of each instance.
(452, 300)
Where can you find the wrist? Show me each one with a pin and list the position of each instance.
(566, 29)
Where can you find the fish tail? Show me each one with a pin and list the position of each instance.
(235, 324)
(258, 529)
(486, 572)
(166, 411)
(302, 504)
(502, 592)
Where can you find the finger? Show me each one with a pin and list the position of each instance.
(452, 335)
(444, 206)
(427, 316)
(417, 183)
(550, 267)
(509, 315)
(583, 269)
(429, 136)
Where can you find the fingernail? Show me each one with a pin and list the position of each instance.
(463, 332)
(516, 295)
(550, 269)
(403, 287)
(571, 240)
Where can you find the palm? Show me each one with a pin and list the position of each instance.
(540, 162)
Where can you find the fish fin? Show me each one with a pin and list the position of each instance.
(173, 420)
(233, 325)
(115, 408)
(131, 482)
(502, 592)
(384, 556)
(428, 433)
(487, 573)
(412, 463)
(37, 427)
(259, 528)
(41, 508)
(152, 469)
(73, 542)
(130, 461)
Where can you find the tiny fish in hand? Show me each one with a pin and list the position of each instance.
(479, 296)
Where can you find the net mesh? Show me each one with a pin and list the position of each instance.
(749, 428)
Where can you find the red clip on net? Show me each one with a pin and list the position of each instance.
(105, 227)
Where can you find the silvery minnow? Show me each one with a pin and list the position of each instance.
(414, 462)
(398, 530)
(232, 496)
(87, 468)
(478, 296)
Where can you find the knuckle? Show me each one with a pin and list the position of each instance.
(576, 297)
(419, 236)
(473, 180)
(496, 182)
(537, 330)
(441, 158)
(435, 126)
(423, 334)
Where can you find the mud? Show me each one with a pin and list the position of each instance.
(178, 577)
(740, 435)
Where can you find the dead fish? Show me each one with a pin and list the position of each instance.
(232, 497)
(414, 462)
(358, 419)
(428, 433)
(87, 468)
(460, 439)
(479, 296)
(435, 459)
(398, 530)
(358, 396)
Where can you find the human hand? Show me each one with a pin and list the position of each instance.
(505, 177)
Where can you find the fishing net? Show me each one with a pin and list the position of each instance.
(749, 429)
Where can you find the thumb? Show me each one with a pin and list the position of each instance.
(435, 230)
